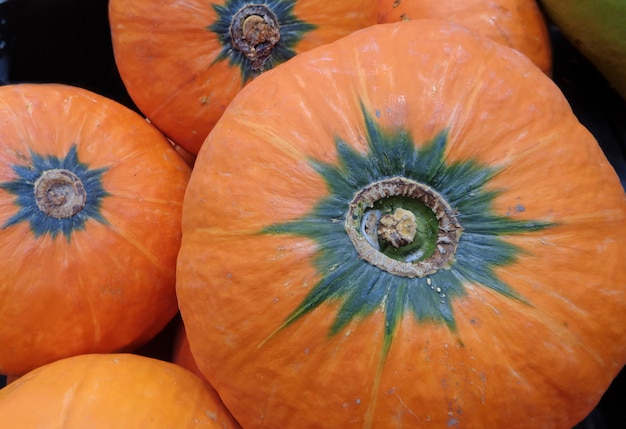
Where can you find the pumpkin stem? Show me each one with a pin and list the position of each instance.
(254, 32)
(59, 193)
(403, 227)
(398, 228)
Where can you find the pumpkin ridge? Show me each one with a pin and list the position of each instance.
(545, 318)
(137, 244)
(272, 138)
(121, 194)
(546, 141)
(378, 375)
(169, 99)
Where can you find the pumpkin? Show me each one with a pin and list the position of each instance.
(111, 391)
(182, 356)
(182, 62)
(519, 24)
(407, 227)
(90, 205)
(181, 352)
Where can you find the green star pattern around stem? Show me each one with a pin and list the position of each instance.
(40, 223)
(291, 31)
(361, 288)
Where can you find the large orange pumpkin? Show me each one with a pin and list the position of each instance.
(519, 24)
(183, 61)
(105, 391)
(405, 228)
(90, 204)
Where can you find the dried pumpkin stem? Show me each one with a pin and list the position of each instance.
(255, 31)
(59, 193)
(398, 228)
(403, 228)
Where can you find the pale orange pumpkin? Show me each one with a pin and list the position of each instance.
(519, 24)
(105, 391)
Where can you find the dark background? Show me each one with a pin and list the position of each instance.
(68, 41)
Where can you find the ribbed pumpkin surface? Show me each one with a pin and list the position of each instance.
(182, 62)
(90, 204)
(406, 228)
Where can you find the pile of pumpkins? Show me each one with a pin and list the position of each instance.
(370, 214)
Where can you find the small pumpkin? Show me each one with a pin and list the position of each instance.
(103, 391)
(182, 62)
(407, 227)
(90, 204)
(519, 24)
(181, 352)
(182, 356)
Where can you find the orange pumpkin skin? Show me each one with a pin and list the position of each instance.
(519, 24)
(102, 279)
(181, 74)
(111, 391)
(274, 315)
(181, 356)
